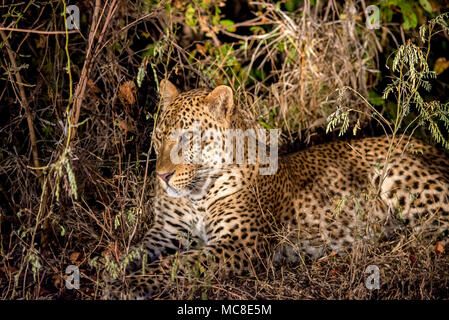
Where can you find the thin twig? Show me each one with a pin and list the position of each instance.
(39, 31)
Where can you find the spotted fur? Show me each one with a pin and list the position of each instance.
(327, 196)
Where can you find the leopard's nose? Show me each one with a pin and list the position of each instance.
(165, 176)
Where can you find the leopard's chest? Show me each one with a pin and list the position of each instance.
(196, 220)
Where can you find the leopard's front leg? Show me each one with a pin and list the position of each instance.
(233, 235)
(163, 240)
(221, 258)
(169, 234)
(159, 245)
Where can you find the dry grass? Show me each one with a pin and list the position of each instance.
(321, 53)
(410, 268)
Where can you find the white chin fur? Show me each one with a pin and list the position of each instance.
(197, 194)
(174, 194)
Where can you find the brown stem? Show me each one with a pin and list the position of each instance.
(81, 87)
(37, 31)
(25, 104)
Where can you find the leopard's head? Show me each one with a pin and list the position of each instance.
(190, 152)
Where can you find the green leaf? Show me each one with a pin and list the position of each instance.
(149, 51)
(375, 99)
(191, 19)
(229, 24)
(257, 30)
(291, 5)
(264, 124)
(426, 5)
(141, 73)
(116, 221)
(410, 18)
(388, 14)
(72, 179)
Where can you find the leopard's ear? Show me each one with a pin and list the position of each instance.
(220, 102)
(168, 92)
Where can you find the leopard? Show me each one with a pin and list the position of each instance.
(216, 217)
